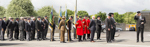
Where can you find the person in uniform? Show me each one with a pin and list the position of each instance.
(98, 27)
(88, 30)
(16, 28)
(38, 28)
(11, 26)
(28, 29)
(33, 28)
(43, 28)
(7, 22)
(84, 27)
(46, 26)
(140, 25)
(53, 30)
(4, 28)
(69, 25)
(79, 27)
(62, 27)
(21, 28)
(114, 27)
(1, 26)
(108, 28)
(92, 27)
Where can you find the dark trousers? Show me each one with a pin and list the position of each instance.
(88, 36)
(79, 38)
(28, 35)
(98, 34)
(7, 33)
(16, 34)
(84, 37)
(75, 33)
(113, 33)
(24, 34)
(52, 34)
(45, 32)
(33, 34)
(92, 35)
(69, 35)
(40, 35)
(2, 34)
(138, 32)
(108, 36)
(10, 34)
(21, 35)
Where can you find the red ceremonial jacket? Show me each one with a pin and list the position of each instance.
(84, 26)
(79, 28)
(88, 23)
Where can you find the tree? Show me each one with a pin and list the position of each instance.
(82, 13)
(119, 17)
(18, 8)
(69, 12)
(102, 15)
(2, 11)
(129, 17)
(146, 10)
(46, 11)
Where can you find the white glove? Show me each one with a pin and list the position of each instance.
(142, 22)
(50, 28)
(67, 28)
(74, 26)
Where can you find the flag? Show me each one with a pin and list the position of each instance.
(51, 19)
(60, 15)
(66, 15)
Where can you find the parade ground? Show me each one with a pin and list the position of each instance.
(122, 39)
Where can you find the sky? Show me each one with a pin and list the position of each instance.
(91, 6)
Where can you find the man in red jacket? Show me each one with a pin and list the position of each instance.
(88, 30)
(79, 27)
(84, 27)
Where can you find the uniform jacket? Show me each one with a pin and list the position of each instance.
(79, 27)
(62, 25)
(138, 21)
(88, 23)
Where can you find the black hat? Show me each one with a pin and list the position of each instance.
(25, 18)
(138, 12)
(80, 16)
(42, 18)
(98, 16)
(110, 14)
(71, 16)
(28, 18)
(85, 16)
(4, 17)
(45, 16)
(11, 18)
(17, 18)
(88, 16)
(38, 17)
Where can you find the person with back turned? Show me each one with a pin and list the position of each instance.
(140, 25)
(98, 27)
(11, 28)
(21, 28)
(16, 29)
(62, 27)
(79, 27)
(108, 28)
(92, 27)
(69, 25)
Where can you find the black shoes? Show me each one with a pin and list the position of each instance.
(62, 42)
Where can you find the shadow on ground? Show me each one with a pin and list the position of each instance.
(9, 44)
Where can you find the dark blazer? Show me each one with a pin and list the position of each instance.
(21, 25)
(11, 25)
(108, 23)
(92, 25)
(138, 21)
(7, 22)
(113, 22)
(28, 27)
(46, 23)
(43, 26)
(16, 25)
(98, 25)
(3, 24)
(38, 25)
(69, 24)
(32, 25)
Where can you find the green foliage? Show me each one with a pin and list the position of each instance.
(18, 8)
(129, 17)
(82, 13)
(2, 11)
(102, 15)
(119, 17)
(69, 12)
(146, 10)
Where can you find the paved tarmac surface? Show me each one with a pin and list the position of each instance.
(122, 39)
